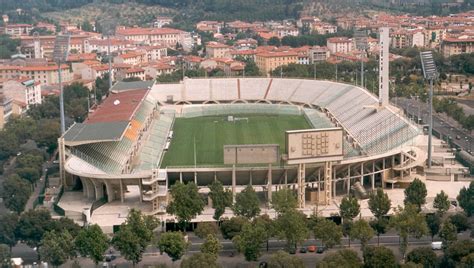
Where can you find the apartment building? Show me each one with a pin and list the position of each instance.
(23, 90)
(455, 46)
(44, 74)
(269, 61)
(18, 29)
(152, 36)
(339, 45)
(216, 50)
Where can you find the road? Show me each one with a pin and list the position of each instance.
(228, 256)
(447, 127)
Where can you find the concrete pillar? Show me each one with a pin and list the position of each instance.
(110, 191)
(348, 179)
(269, 178)
(140, 188)
(99, 190)
(301, 185)
(234, 183)
(328, 181)
(373, 175)
(195, 178)
(286, 178)
(251, 177)
(121, 190)
(362, 174)
(181, 177)
(334, 182)
(215, 175)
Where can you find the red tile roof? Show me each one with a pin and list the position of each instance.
(118, 107)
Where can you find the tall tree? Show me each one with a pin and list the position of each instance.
(416, 193)
(424, 256)
(200, 260)
(16, 192)
(232, 227)
(56, 248)
(134, 235)
(361, 230)
(448, 233)
(5, 256)
(298, 231)
(460, 221)
(220, 197)
(466, 199)
(327, 231)
(283, 200)
(173, 244)
(433, 222)
(408, 221)
(249, 240)
(206, 228)
(186, 203)
(379, 203)
(32, 226)
(92, 242)
(375, 257)
(211, 246)
(247, 203)
(341, 258)
(283, 259)
(441, 202)
(349, 208)
(7, 229)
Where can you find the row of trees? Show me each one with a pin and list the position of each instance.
(452, 109)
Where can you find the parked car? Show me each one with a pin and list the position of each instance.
(312, 248)
(321, 249)
(292, 251)
(303, 250)
(436, 245)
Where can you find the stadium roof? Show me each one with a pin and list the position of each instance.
(81, 133)
(125, 86)
(118, 107)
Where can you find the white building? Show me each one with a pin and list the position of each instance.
(339, 45)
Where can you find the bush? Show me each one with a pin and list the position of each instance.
(423, 255)
(206, 228)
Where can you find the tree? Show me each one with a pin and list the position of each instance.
(251, 68)
(206, 228)
(346, 230)
(56, 248)
(281, 259)
(448, 233)
(416, 193)
(460, 221)
(468, 261)
(424, 256)
(32, 226)
(186, 203)
(173, 244)
(267, 223)
(5, 256)
(441, 202)
(408, 221)
(232, 227)
(349, 208)
(246, 203)
(379, 226)
(92, 242)
(328, 231)
(7, 229)
(249, 240)
(134, 235)
(283, 200)
(87, 26)
(66, 224)
(220, 199)
(361, 230)
(433, 222)
(291, 226)
(200, 260)
(345, 258)
(466, 199)
(16, 193)
(379, 203)
(274, 41)
(375, 257)
(211, 246)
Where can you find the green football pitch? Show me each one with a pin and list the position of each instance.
(211, 133)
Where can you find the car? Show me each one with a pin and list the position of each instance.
(292, 251)
(321, 250)
(458, 137)
(110, 257)
(312, 248)
(303, 250)
(436, 245)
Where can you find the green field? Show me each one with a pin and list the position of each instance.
(211, 133)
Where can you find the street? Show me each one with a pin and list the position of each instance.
(447, 127)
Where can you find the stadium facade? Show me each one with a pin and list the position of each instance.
(123, 142)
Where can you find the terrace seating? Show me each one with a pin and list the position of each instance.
(253, 89)
(224, 89)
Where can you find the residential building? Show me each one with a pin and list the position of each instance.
(45, 74)
(339, 45)
(132, 58)
(6, 109)
(152, 36)
(18, 29)
(318, 54)
(454, 46)
(23, 90)
(216, 50)
(269, 61)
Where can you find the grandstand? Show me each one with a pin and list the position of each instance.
(127, 140)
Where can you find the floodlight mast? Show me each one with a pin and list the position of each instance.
(430, 73)
(361, 43)
(60, 54)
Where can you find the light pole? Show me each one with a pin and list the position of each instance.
(361, 43)
(430, 73)
(60, 54)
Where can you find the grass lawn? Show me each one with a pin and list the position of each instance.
(213, 132)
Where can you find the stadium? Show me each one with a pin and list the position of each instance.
(144, 137)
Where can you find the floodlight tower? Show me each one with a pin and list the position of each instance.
(384, 43)
(361, 43)
(430, 73)
(60, 54)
